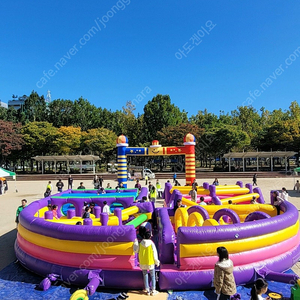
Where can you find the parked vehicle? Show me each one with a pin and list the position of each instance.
(112, 168)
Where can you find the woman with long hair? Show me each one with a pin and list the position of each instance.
(224, 282)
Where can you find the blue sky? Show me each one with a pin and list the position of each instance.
(110, 52)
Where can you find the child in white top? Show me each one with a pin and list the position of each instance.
(106, 208)
(259, 288)
(284, 194)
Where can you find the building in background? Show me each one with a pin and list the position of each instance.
(17, 102)
(3, 104)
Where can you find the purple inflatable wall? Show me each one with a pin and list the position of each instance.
(166, 237)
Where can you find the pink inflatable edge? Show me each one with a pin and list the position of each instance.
(242, 258)
(91, 261)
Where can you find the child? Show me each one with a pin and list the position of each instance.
(216, 182)
(284, 194)
(106, 208)
(178, 205)
(177, 183)
(101, 191)
(277, 201)
(260, 287)
(148, 259)
(152, 194)
(20, 208)
(297, 186)
(223, 276)
(193, 193)
(87, 213)
(202, 202)
(54, 211)
(47, 193)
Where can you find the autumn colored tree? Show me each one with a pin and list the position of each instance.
(10, 138)
(68, 140)
(100, 141)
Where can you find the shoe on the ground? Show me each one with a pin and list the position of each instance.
(154, 292)
(124, 294)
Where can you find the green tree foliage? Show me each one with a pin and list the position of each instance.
(132, 126)
(281, 136)
(60, 113)
(34, 108)
(205, 120)
(160, 113)
(221, 140)
(84, 114)
(99, 141)
(39, 139)
(73, 127)
(174, 135)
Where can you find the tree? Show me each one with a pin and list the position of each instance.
(225, 139)
(68, 140)
(132, 126)
(10, 138)
(84, 114)
(34, 107)
(284, 135)
(205, 120)
(174, 135)
(218, 141)
(60, 113)
(248, 119)
(99, 141)
(160, 113)
(3, 113)
(39, 139)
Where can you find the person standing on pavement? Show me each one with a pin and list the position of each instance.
(101, 181)
(254, 179)
(49, 187)
(174, 177)
(70, 182)
(59, 185)
(20, 208)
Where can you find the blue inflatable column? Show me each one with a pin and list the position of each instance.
(122, 143)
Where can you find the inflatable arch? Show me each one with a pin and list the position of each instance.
(155, 149)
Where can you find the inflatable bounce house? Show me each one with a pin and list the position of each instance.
(100, 251)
